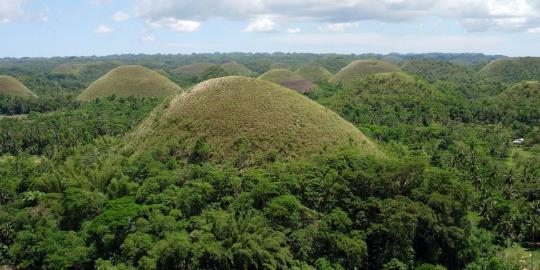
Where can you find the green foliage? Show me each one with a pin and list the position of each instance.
(450, 192)
(48, 134)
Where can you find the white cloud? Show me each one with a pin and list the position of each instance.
(261, 25)
(11, 10)
(474, 15)
(148, 38)
(534, 30)
(103, 29)
(338, 27)
(294, 30)
(120, 16)
(175, 24)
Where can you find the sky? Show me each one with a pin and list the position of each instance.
(46, 28)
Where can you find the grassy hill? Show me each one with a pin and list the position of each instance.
(433, 71)
(247, 122)
(527, 91)
(362, 68)
(236, 69)
(512, 70)
(127, 81)
(333, 63)
(289, 79)
(519, 103)
(314, 73)
(280, 66)
(78, 69)
(389, 99)
(10, 86)
(195, 69)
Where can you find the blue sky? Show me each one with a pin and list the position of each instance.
(104, 27)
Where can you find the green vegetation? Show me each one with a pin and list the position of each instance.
(49, 133)
(10, 86)
(245, 121)
(392, 170)
(126, 81)
(508, 71)
(434, 71)
(361, 69)
(314, 73)
(289, 79)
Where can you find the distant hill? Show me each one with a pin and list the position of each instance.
(333, 63)
(512, 70)
(78, 69)
(289, 79)
(389, 99)
(433, 71)
(362, 68)
(127, 81)
(247, 122)
(195, 69)
(314, 73)
(280, 66)
(10, 86)
(236, 69)
(518, 103)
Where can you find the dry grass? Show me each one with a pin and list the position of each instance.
(236, 69)
(360, 69)
(127, 81)
(12, 87)
(246, 119)
(280, 66)
(289, 79)
(194, 69)
(314, 73)
(76, 69)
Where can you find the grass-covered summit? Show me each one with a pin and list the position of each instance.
(314, 73)
(10, 86)
(289, 79)
(248, 122)
(512, 70)
(388, 99)
(194, 69)
(125, 81)
(236, 69)
(521, 95)
(362, 68)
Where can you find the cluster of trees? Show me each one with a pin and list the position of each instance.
(51, 133)
(155, 211)
(451, 192)
(11, 105)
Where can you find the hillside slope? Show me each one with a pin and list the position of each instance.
(125, 81)
(247, 121)
(10, 86)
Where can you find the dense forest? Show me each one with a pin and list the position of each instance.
(451, 187)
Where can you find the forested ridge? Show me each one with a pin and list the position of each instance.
(449, 189)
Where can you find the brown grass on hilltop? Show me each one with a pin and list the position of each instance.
(125, 81)
(10, 86)
(245, 120)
